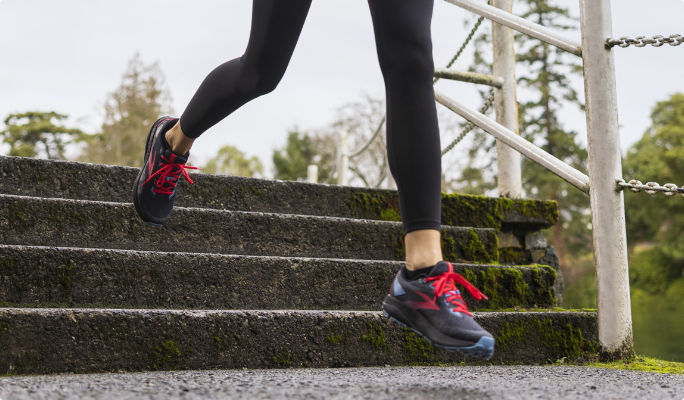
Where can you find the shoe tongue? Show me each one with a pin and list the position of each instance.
(175, 158)
(439, 268)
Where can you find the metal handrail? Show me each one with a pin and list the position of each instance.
(526, 148)
(521, 25)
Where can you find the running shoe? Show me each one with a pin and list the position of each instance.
(154, 190)
(432, 306)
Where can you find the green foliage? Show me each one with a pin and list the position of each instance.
(130, 111)
(231, 161)
(658, 157)
(35, 133)
(300, 151)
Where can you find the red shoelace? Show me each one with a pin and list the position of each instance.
(446, 283)
(168, 174)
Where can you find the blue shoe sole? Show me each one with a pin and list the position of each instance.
(484, 348)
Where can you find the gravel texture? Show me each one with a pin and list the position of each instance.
(38, 341)
(91, 224)
(74, 180)
(69, 277)
(358, 383)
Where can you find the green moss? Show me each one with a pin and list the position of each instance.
(415, 349)
(510, 335)
(448, 246)
(358, 239)
(390, 215)
(640, 363)
(334, 339)
(4, 327)
(564, 341)
(283, 359)
(470, 210)
(508, 288)
(396, 243)
(511, 255)
(16, 212)
(473, 249)
(375, 336)
(165, 356)
(66, 277)
(457, 209)
(375, 205)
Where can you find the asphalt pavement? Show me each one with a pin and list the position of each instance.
(514, 382)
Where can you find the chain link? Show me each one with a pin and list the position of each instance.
(641, 41)
(463, 46)
(652, 188)
(469, 125)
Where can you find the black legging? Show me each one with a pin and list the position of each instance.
(404, 45)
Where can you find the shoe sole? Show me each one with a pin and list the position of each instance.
(484, 348)
(136, 184)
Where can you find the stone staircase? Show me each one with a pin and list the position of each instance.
(253, 273)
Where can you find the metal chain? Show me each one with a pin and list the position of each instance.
(641, 41)
(463, 46)
(652, 188)
(469, 125)
(377, 131)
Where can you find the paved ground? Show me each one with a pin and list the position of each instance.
(517, 382)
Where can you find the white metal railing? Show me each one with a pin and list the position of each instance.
(607, 206)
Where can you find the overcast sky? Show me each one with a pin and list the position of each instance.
(66, 55)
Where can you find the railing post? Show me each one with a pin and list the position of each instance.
(506, 105)
(343, 159)
(605, 165)
(312, 173)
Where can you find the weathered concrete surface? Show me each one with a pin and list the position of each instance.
(89, 224)
(39, 341)
(73, 180)
(68, 277)
(448, 383)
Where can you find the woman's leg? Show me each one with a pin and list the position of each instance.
(276, 25)
(404, 44)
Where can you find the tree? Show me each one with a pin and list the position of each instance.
(658, 157)
(129, 112)
(231, 161)
(35, 133)
(300, 151)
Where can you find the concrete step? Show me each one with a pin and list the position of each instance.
(69, 277)
(88, 224)
(73, 180)
(42, 341)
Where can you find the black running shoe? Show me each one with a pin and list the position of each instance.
(433, 307)
(154, 190)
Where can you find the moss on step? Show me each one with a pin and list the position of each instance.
(375, 336)
(165, 356)
(457, 209)
(565, 341)
(508, 288)
(641, 363)
(415, 349)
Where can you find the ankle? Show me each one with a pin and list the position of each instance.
(423, 249)
(180, 144)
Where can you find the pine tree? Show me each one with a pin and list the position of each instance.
(129, 112)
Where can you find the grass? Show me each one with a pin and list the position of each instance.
(645, 364)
